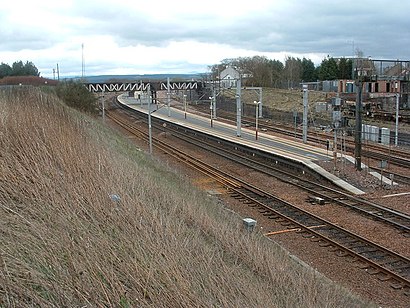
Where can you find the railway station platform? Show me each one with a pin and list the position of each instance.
(284, 148)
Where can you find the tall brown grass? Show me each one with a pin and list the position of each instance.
(66, 243)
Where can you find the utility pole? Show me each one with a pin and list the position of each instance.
(184, 105)
(336, 104)
(238, 107)
(257, 104)
(358, 129)
(82, 62)
(305, 112)
(169, 97)
(214, 102)
(396, 139)
(149, 119)
(103, 105)
(212, 106)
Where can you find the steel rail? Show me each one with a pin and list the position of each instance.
(395, 218)
(398, 219)
(393, 155)
(375, 258)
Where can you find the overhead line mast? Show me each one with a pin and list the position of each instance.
(82, 62)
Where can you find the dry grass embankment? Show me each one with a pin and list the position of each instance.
(65, 243)
(281, 99)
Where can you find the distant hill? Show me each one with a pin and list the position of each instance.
(145, 77)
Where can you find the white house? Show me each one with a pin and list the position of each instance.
(228, 77)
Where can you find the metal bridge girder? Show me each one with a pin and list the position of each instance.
(190, 85)
(140, 86)
(116, 87)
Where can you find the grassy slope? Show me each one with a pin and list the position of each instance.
(64, 242)
(281, 99)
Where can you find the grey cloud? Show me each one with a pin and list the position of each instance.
(317, 26)
(16, 40)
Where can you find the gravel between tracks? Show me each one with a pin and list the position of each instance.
(336, 268)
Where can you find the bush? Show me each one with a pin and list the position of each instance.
(76, 95)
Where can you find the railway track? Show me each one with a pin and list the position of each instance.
(399, 220)
(377, 260)
(375, 151)
(397, 177)
(318, 192)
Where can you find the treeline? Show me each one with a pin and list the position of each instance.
(18, 68)
(264, 72)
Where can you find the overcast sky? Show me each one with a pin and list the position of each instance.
(185, 36)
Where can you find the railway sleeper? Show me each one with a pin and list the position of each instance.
(384, 276)
(373, 271)
(405, 233)
(342, 253)
(307, 234)
(397, 285)
(365, 250)
(371, 253)
(316, 239)
(239, 197)
(233, 194)
(325, 244)
(391, 262)
(334, 249)
(269, 215)
(350, 243)
(352, 258)
(303, 231)
(286, 223)
(363, 264)
(402, 268)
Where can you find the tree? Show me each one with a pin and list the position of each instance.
(18, 68)
(329, 69)
(259, 70)
(30, 69)
(345, 68)
(5, 70)
(292, 72)
(308, 70)
(276, 69)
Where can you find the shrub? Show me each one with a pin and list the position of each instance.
(75, 95)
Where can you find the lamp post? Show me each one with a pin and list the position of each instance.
(214, 95)
(238, 108)
(396, 139)
(305, 112)
(358, 128)
(211, 107)
(185, 106)
(256, 118)
(103, 107)
(149, 120)
(169, 97)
